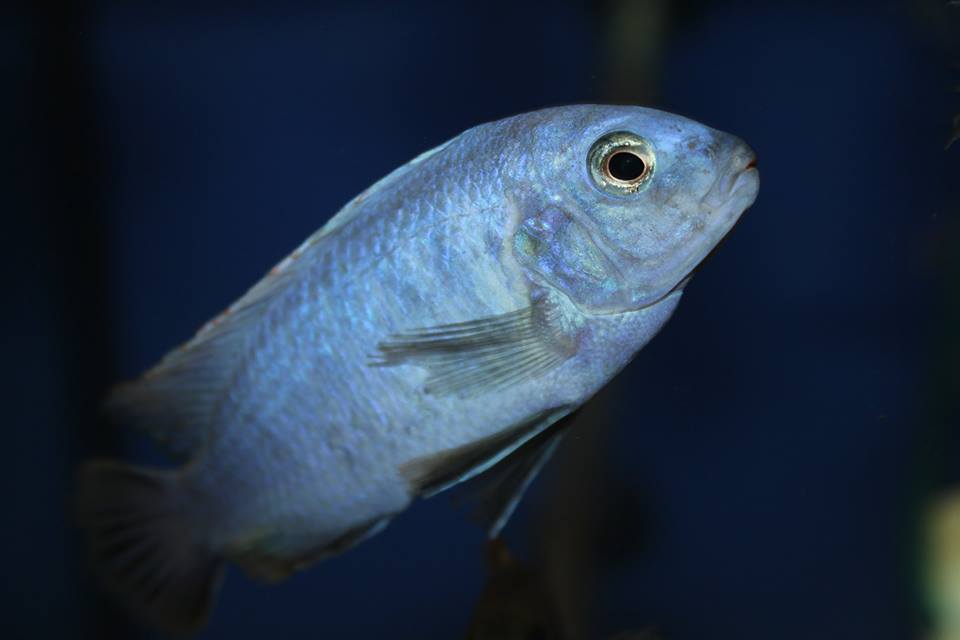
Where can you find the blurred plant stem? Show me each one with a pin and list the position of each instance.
(936, 509)
(569, 534)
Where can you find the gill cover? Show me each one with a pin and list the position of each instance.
(558, 248)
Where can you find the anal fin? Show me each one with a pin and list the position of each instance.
(517, 453)
(258, 561)
(499, 490)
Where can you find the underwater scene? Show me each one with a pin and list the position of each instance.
(614, 320)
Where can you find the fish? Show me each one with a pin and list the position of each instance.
(440, 326)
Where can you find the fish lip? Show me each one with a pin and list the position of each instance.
(734, 182)
(729, 197)
(750, 172)
(725, 197)
(732, 206)
(724, 189)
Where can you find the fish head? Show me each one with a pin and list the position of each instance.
(623, 203)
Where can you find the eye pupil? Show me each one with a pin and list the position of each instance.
(626, 166)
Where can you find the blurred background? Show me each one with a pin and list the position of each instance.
(762, 470)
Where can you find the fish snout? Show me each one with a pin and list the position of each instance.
(740, 175)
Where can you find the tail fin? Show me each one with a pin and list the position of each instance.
(144, 545)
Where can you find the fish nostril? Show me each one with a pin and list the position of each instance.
(752, 164)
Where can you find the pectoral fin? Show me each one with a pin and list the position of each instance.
(500, 489)
(478, 356)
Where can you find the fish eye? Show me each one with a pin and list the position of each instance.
(621, 162)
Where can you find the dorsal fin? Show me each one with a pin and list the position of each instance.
(351, 209)
(174, 400)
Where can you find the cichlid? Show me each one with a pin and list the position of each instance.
(439, 326)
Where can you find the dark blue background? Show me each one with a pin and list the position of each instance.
(784, 428)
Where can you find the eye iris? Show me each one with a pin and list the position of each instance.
(626, 166)
(621, 163)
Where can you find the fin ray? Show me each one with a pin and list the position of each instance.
(477, 356)
(498, 491)
(257, 560)
(174, 400)
(143, 545)
(432, 474)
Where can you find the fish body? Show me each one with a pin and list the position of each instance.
(442, 324)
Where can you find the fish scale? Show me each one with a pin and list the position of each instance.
(439, 328)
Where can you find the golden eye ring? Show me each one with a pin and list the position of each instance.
(621, 163)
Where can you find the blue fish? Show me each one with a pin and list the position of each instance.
(441, 325)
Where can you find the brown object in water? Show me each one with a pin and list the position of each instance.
(515, 603)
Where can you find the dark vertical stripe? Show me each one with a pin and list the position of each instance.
(65, 163)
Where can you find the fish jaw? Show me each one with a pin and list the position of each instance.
(713, 216)
(621, 249)
(726, 202)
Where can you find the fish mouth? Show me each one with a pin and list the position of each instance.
(721, 207)
(742, 173)
(730, 196)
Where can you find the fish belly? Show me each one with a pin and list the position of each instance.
(309, 438)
